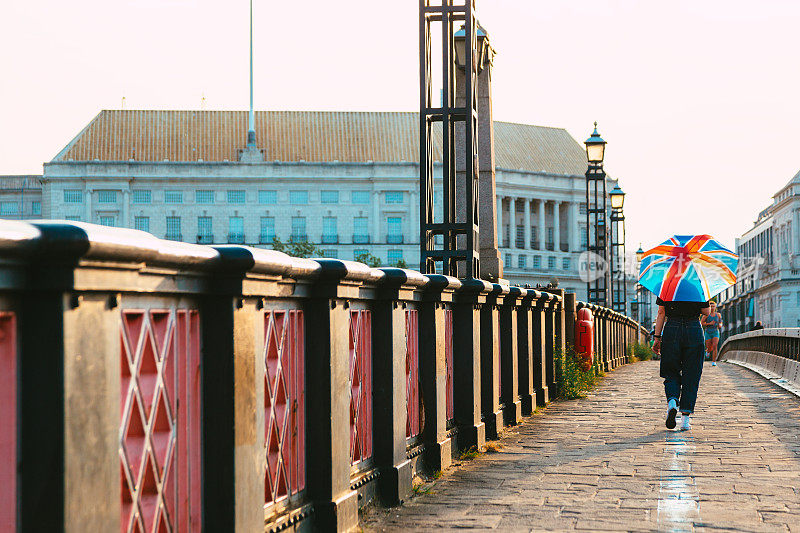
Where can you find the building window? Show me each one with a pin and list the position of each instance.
(330, 234)
(508, 260)
(9, 208)
(73, 196)
(298, 197)
(359, 197)
(584, 237)
(330, 253)
(236, 197)
(173, 197)
(566, 264)
(394, 227)
(236, 229)
(107, 197)
(394, 257)
(142, 223)
(299, 229)
(582, 208)
(550, 241)
(74, 218)
(204, 197)
(329, 197)
(394, 197)
(174, 228)
(522, 261)
(360, 231)
(205, 230)
(36, 207)
(537, 261)
(551, 262)
(535, 237)
(142, 196)
(268, 197)
(359, 253)
(267, 230)
(109, 221)
(520, 237)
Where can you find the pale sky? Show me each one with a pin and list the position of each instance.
(696, 98)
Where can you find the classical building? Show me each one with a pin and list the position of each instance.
(347, 182)
(20, 197)
(768, 284)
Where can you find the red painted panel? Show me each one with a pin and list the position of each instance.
(160, 421)
(412, 374)
(448, 360)
(360, 385)
(8, 421)
(284, 404)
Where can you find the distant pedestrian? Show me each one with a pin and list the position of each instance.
(679, 341)
(712, 324)
(758, 325)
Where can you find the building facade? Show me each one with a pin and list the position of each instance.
(20, 197)
(346, 182)
(768, 280)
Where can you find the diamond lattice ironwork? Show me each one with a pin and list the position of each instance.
(412, 374)
(360, 385)
(159, 425)
(284, 404)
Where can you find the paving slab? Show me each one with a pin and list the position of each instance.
(607, 463)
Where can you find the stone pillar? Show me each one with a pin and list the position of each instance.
(575, 228)
(542, 225)
(527, 221)
(433, 369)
(499, 221)
(509, 360)
(512, 223)
(491, 265)
(539, 348)
(88, 207)
(490, 361)
(467, 332)
(556, 226)
(376, 221)
(525, 352)
(570, 317)
(126, 209)
(549, 343)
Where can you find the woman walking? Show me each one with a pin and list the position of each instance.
(679, 341)
(712, 325)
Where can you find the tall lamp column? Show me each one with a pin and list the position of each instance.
(597, 273)
(619, 293)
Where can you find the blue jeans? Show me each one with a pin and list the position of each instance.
(682, 349)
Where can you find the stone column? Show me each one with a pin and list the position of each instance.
(126, 209)
(540, 341)
(512, 223)
(556, 226)
(509, 357)
(88, 213)
(542, 226)
(376, 221)
(490, 360)
(525, 350)
(499, 221)
(527, 222)
(575, 228)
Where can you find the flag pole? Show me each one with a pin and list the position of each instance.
(251, 131)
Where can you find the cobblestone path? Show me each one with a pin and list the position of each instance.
(608, 463)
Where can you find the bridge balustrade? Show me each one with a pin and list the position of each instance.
(149, 384)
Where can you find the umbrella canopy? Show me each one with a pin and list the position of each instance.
(688, 268)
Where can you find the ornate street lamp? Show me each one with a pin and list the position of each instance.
(485, 50)
(597, 274)
(619, 292)
(642, 295)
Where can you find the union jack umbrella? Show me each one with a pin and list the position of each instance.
(688, 268)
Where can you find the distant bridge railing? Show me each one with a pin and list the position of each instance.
(147, 382)
(773, 353)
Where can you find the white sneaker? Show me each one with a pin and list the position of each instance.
(685, 424)
(672, 411)
(713, 363)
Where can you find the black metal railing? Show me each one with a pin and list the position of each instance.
(360, 238)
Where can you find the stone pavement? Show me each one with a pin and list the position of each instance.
(608, 463)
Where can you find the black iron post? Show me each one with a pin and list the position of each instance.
(619, 293)
(596, 229)
(458, 254)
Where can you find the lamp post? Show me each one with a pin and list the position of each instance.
(619, 293)
(596, 230)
